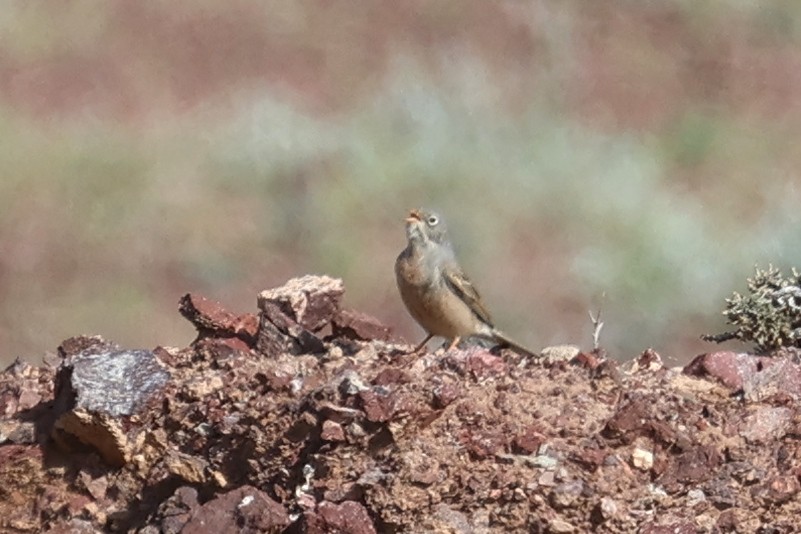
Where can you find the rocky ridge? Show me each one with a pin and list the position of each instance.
(308, 417)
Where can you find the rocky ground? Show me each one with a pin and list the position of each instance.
(306, 417)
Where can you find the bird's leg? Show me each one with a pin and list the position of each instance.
(422, 343)
(454, 343)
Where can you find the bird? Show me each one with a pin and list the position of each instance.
(435, 289)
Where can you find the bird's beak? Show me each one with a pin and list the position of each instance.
(414, 216)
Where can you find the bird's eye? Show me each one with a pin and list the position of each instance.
(433, 220)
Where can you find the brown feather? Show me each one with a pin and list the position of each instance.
(462, 286)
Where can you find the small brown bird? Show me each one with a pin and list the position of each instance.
(436, 291)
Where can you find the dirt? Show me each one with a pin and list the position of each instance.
(307, 417)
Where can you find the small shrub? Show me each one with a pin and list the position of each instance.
(769, 315)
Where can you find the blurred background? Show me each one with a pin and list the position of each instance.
(640, 157)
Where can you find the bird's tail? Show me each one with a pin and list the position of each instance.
(503, 339)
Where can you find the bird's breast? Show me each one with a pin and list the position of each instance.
(429, 300)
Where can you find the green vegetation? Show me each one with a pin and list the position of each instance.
(769, 315)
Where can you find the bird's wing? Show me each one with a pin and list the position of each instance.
(461, 285)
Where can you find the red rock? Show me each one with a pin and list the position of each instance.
(694, 466)
(628, 422)
(766, 424)
(391, 376)
(730, 368)
(243, 509)
(590, 360)
(332, 431)
(357, 325)
(349, 517)
(727, 520)
(484, 444)
(95, 486)
(177, 509)
(210, 318)
(776, 378)
(477, 361)
(528, 441)
(377, 407)
(738, 520)
(28, 399)
(310, 301)
(85, 345)
(590, 458)
(280, 332)
(446, 394)
(778, 489)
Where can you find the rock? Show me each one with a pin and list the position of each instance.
(28, 399)
(559, 353)
(176, 511)
(476, 361)
(738, 520)
(117, 383)
(732, 369)
(445, 394)
(694, 466)
(332, 431)
(99, 431)
(188, 468)
(391, 376)
(95, 389)
(528, 441)
(649, 361)
(559, 526)
(377, 405)
(356, 325)
(566, 494)
(547, 479)
(695, 497)
(484, 443)
(766, 424)
(628, 422)
(642, 459)
(291, 315)
(677, 527)
(453, 520)
(211, 319)
(608, 508)
(425, 477)
(96, 487)
(778, 376)
(85, 345)
(777, 490)
(311, 302)
(758, 376)
(19, 432)
(348, 517)
(73, 526)
(245, 509)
